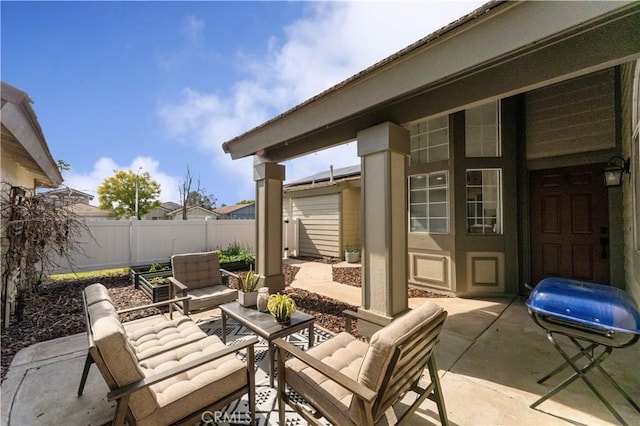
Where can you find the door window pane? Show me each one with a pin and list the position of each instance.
(429, 202)
(482, 131)
(484, 201)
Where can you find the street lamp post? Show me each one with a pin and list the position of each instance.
(137, 173)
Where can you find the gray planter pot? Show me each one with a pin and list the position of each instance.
(352, 256)
(248, 299)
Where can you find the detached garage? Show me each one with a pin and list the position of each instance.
(322, 214)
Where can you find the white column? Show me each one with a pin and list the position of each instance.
(384, 151)
(269, 178)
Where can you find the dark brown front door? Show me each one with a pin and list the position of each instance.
(569, 224)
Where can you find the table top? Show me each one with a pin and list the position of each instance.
(263, 324)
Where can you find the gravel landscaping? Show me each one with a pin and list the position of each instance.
(57, 310)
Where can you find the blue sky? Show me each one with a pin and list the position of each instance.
(161, 85)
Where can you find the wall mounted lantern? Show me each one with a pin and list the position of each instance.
(615, 169)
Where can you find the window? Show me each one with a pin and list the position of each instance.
(429, 203)
(482, 131)
(484, 201)
(429, 140)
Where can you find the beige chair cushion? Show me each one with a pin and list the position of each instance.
(197, 270)
(187, 392)
(163, 335)
(206, 297)
(343, 353)
(381, 347)
(117, 353)
(97, 293)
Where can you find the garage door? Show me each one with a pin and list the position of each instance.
(318, 225)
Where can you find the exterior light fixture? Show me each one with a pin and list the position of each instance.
(615, 169)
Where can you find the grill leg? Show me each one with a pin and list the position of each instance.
(566, 364)
(580, 373)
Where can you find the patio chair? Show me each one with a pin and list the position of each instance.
(163, 371)
(351, 382)
(198, 275)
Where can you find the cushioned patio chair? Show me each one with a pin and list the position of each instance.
(198, 275)
(350, 382)
(163, 371)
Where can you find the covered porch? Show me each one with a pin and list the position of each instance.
(482, 382)
(479, 78)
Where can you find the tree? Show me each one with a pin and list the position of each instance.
(36, 233)
(246, 202)
(197, 197)
(118, 194)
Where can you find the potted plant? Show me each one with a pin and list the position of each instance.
(352, 254)
(281, 307)
(247, 293)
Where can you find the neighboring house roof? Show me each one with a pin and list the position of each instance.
(170, 206)
(193, 209)
(87, 210)
(23, 139)
(338, 174)
(230, 209)
(65, 192)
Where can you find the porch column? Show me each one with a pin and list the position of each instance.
(384, 151)
(269, 178)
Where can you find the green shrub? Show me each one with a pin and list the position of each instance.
(235, 253)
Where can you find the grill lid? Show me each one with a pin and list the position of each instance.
(589, 304)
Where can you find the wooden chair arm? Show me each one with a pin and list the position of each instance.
(343, 380)
(229, 273)
(151, 380)
(177, 284)
(349, 315)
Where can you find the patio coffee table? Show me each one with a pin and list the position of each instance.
(264, 325)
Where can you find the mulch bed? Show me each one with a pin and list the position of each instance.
(56, 311)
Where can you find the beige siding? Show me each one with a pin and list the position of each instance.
(572, 117)
(351, 234)
(318, 222)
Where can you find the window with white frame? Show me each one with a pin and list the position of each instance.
(482, 131)
(484, 201)
(429, 140)
(429, 202)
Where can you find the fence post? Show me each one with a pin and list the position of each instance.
(133, 241)
(206, 233)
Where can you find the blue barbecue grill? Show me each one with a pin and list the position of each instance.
(596, 318)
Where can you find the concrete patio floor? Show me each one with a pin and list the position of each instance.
(490, 356)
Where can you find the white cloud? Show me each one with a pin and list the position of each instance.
(105, 167)
(332, 42)
(193, 28)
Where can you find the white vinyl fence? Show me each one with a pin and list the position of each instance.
(119, 243)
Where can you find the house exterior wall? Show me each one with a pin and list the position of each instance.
(463, 263)
(351, 219)
(587, 103)
(247, 212)
(318, 224)
(630, 129)
(14, 174)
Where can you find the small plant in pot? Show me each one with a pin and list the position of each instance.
(247, 293)
(352, 254)
(281, 307)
